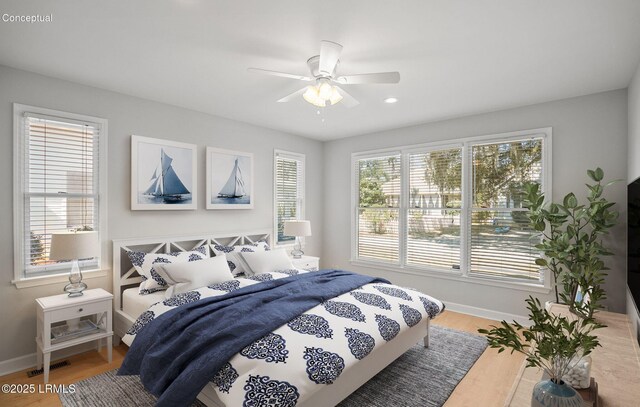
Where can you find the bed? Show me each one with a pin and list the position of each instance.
(130, 305)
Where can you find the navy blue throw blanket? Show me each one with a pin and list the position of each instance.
(180, 351)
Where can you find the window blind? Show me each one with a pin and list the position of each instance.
(379, 186)
(433, 217)
(289, 190)
(456, 208)
(501, 241)
(61, 185)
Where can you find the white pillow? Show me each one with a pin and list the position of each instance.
(145, 264)
(267, 262)
(183, 277)
(236, 264)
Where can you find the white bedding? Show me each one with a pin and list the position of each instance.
(309, 353)
(134, 304)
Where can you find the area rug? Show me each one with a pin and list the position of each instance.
(419, 378)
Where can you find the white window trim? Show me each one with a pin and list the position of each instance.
(294, 156)
(466, 143)
(20, 281)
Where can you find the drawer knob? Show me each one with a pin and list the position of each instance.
(79, 309)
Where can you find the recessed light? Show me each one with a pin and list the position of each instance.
(390, 100)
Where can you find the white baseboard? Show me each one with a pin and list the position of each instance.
(29, 361)
(487, 313)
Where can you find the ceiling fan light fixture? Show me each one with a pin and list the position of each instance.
(324, 89)
(323, 69)
(335, 96)
(311, 96)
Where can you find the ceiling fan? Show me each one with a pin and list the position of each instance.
(323, 69)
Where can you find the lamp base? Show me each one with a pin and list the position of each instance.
(297, 252)
(75, 289)
(75, 286)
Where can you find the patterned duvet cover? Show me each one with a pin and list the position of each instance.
(312, 350)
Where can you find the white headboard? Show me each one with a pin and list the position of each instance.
(125, 275)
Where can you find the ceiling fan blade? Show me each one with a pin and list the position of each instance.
(293, 95)
(381, 77)
(347, 99)
(329, 55)
(281, 74)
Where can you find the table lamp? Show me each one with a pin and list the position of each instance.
(297, 228)
(73, 246)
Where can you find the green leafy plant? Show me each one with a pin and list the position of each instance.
(553, 343)
(572, 244)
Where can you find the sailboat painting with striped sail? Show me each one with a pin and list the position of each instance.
(229, 179)
(163, 174)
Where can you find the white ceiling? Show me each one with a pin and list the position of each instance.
(455, 57)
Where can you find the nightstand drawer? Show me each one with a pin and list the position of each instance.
(307, 265)
(79, 310)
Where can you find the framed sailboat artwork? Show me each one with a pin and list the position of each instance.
(163, 174)
(229, 179)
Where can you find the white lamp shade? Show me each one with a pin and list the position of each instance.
(74, 245)
(297, 228)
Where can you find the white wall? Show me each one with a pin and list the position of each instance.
(129, 115)
(588, 131)
(634, 165)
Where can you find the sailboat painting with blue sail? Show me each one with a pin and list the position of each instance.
(165, 183)
(229, 179)
(163, 173)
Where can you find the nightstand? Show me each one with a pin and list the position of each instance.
(61, 307)
(308, 263)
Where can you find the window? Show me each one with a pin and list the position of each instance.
(502, 243)
(288, 191)
(435, 199)
(59, 184)
(379, 208)
(455, 209)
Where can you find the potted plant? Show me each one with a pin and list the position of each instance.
(553, 343)
(572, 244)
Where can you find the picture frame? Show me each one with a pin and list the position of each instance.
(164, 174)
(229, 179)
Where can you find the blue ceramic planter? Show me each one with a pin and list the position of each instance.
(549, 394)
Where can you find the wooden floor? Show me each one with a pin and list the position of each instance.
(487, 383)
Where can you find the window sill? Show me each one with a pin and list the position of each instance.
(455, 276)
(56, 278)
